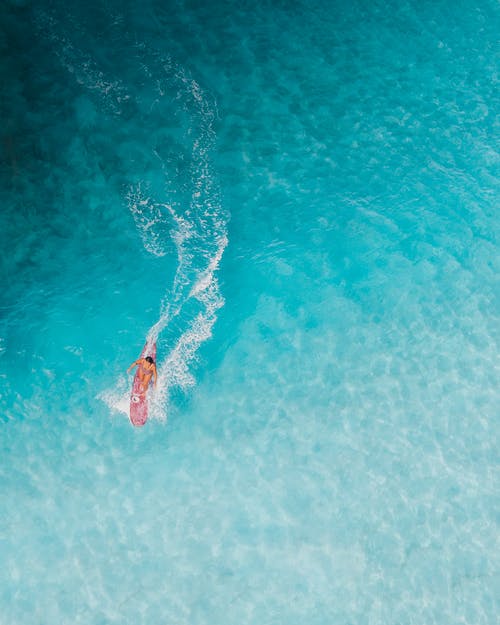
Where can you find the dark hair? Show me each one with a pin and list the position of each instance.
(149, 359)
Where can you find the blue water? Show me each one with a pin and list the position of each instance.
(299, 201)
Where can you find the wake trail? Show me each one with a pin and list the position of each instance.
(176, 206)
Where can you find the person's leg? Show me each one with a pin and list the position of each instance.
(144, 380)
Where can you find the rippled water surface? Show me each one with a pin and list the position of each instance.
(299, 202)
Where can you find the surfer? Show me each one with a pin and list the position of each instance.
(146, 371)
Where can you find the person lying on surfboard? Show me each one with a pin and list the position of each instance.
(146, 371)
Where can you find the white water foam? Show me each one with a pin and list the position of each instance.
(197, 230)
(147, 214)
(112, 93)
(200, 238)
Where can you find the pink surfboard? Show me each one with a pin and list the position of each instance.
(138, 401)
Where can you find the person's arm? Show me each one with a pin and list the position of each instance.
(134, 364)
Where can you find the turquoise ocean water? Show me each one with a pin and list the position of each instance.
(300, 201)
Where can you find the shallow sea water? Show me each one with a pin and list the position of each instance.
(300, 201)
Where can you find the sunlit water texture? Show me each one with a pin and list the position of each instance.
(299, 203)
